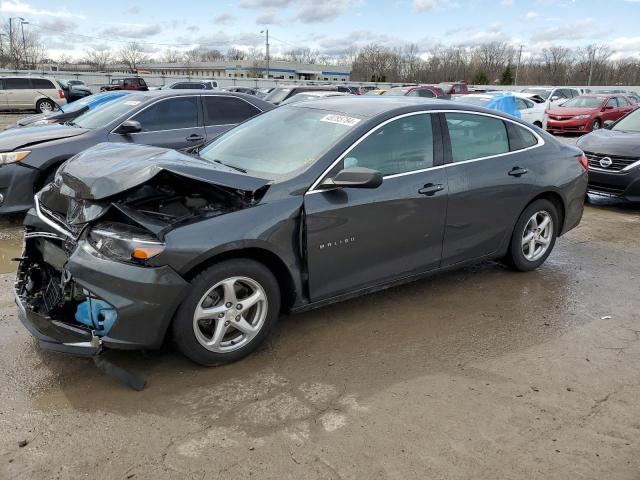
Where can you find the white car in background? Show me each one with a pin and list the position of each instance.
(553, 96)
(531, 108)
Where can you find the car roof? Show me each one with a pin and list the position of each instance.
(372, 106)
(196, 91)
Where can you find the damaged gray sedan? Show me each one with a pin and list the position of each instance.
(299, 207)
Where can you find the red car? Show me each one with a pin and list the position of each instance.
(426, 91)
(586, 113)
(129, 83)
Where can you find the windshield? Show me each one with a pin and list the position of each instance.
(538, 91)
(277, 95)
(101, 117)
(583, 102)
(280, 143)
(630, 123)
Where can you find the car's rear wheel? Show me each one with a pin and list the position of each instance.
(596, 125)
(44, 106)
(228, 312)
(534, 236)
(537, 123)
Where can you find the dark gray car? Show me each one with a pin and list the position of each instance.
(172, 119)
(305, 205)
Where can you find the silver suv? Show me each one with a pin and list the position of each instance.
(29, 93)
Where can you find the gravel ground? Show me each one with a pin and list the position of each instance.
(481, 373)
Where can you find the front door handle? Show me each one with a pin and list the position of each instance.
(195, 138)
(431, 189)
(518, 172)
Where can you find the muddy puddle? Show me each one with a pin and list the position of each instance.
(10, 245)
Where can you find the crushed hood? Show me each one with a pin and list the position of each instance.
(108, 169)
(24, 137)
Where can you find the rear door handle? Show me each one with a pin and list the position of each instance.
(195, 138)
(431, 189)
(518, 172)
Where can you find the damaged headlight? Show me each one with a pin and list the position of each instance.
(124, 242)
(13, 157)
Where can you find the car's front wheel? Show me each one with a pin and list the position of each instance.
(228, 312)
(534, 236)
(596, 125)
(44, 106)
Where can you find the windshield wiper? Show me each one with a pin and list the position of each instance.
(238, 169)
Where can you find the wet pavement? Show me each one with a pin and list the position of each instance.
(479, 373)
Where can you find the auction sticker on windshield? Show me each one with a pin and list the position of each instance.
(340, 119)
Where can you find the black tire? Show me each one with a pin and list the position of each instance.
(42, 104)
(183, 323)
(515, 257)
(596, 125)
(538, 124)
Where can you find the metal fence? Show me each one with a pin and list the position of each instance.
(94, 80)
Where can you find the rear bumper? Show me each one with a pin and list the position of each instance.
(17, 184)
(625, 185)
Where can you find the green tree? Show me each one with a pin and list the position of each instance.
(507, 76)
(480, 78)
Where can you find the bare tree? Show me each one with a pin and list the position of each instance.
(98, 58)
(171, 55)
(132, 56)
(235, 54)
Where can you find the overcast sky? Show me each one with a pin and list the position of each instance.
(71, 26)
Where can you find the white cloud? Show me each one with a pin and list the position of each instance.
(531, 15)
(312, 12)
(132, 30)
(423, 5)
(224, 19)
(506, 3)
(18, 7)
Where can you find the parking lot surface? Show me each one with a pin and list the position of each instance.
(479, 373)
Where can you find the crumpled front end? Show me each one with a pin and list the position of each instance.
(95, 271)
(73, 300)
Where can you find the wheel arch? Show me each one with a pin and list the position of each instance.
(261, 255)
(556, 199)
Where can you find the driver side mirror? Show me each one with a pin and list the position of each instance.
(354, 177)
(129, 126)
(608, 124)
(554, 98)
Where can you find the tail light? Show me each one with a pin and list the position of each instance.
(61, 93)
(584, 161)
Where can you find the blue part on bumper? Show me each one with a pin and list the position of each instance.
(96, 314)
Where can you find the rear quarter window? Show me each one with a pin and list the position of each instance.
(520, 138)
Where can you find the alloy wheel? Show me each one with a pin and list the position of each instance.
(537, 235)
(230, 314)
(46, 107)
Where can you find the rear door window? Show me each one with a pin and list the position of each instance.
(42, 84)
(476, 136)
(222, 110)
(612, 102)
(17, 84)
(170, 114)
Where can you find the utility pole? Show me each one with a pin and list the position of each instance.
(267, 49)
(24, 43)
(11, 45)
(515, 81)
